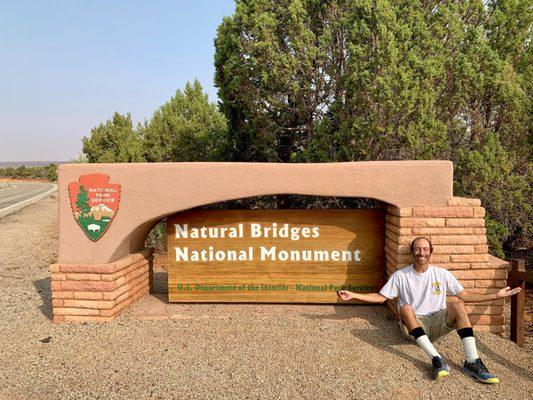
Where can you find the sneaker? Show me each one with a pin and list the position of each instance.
(478, 370)
(440, 368)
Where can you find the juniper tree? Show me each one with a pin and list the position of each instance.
(114, 141)
(312, 80)
(186, 128)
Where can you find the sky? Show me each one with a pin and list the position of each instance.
(67, 66)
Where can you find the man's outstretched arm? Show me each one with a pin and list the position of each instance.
(469, 297)
(366, 297)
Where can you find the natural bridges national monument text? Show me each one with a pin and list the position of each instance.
(274, 255)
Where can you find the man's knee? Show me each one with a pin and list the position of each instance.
(406, 311)
(457, 308)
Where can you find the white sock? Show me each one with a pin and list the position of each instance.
(426, 345)
(469, 347)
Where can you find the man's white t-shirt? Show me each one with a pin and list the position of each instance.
(425, 292)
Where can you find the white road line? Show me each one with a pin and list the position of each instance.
(42, 195)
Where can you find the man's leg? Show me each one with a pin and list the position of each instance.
(457, 316)
(408, 317)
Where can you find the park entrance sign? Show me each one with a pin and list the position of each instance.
(260, 256)
(289, 256)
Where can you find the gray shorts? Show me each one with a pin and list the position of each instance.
(434, 325)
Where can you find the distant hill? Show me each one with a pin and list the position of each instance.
(16, 164)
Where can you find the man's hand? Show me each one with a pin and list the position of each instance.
(508, 292)
(345, 295)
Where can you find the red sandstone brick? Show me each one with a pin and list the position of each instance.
(54, 268)
(480, 231)
(397, 230)
(124, 271)
(497, 263)
(433, 212)
(480, 274)
(88, 295)
(83, 277)
(441, 249)
(400, 212)
(74, 311)
(399, 249)
(481, 249)
(57, 302)
(458, 239)
(479, 212)
(467, 283)
(485, 291)
(58, 319)
(473, 258)
(477, 319)
(481, 265)
(404, 258)
(94, 304)
(487, 310)
(463, 201)
(123, 304)
(407, 222)
(58, 277)
(124, 288)
(89, 286)
(132, 291)
(453, 266)
(488, 328)
(489, 283)
(59, 294)
(126, 261)
(390, 258)
(465, 222)
(400, 239)
(442, 231)
(62, 294)
(131, 276)
(86, 268)
(55, 285)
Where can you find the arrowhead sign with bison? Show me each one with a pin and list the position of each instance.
(94, 201)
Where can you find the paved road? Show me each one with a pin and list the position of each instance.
(21, 194)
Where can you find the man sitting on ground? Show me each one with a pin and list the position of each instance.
(421, 290)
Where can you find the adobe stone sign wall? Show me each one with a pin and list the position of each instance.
(107, 210)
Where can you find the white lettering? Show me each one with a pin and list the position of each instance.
(182, 231)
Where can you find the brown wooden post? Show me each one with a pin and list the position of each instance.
(517, 301)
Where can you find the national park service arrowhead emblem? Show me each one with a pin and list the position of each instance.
(94, 202)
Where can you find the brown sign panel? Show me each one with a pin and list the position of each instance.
(274, 256)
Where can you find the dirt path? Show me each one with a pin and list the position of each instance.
(215, 351)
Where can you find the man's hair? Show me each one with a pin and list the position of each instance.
(412, 245)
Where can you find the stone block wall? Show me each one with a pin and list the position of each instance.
(459, 239)
(98, 292)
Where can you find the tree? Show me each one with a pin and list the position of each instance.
(82, 201)
(308, 80)
(51, 172)
(114, 141)
(186, 128)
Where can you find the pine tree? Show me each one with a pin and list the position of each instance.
(186, 128)
(82, 201)
(114, 141)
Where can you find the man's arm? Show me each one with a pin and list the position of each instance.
(366, 297)
(468, 297)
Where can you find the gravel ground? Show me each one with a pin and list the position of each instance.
(217, 351)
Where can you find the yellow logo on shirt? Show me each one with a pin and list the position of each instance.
(435, 288)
